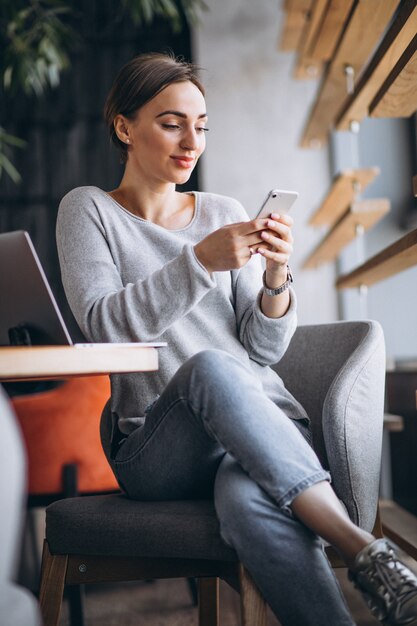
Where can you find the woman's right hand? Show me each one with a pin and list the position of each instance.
(231, 246)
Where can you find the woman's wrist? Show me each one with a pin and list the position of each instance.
(276, 278)
(200, 258)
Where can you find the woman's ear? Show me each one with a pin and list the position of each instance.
(121, 128)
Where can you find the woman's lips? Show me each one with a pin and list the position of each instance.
(183, 161)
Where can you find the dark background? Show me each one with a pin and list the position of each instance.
(67, 141)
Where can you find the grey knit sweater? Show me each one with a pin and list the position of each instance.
(128, 279)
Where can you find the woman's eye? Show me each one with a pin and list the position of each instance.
(202, 129)
(171, 126)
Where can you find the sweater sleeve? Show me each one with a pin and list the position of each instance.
(265, 339)
(105, 309)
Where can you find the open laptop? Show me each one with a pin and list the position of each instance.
(29, 313)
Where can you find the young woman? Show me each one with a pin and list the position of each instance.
(147, 263)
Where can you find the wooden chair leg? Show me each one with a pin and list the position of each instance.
(252, 604)
(53, 571)
(75, 594)
(193, 588)
(208, 602)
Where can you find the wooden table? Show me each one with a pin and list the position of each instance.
(60, 362)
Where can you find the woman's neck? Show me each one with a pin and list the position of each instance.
(157, 203)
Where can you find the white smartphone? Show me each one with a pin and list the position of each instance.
(277, 201)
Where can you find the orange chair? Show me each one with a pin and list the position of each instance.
(60, 428)
(61, 433)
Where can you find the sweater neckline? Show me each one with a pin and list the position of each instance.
(137, 218)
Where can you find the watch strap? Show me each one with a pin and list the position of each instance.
(278, 290)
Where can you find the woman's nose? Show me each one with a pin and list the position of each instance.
(190, 140)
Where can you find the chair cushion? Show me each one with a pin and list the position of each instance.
(114, 525)
(61, 426)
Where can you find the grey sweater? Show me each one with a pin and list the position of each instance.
(128, 279)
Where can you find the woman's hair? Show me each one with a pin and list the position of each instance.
(140, 80)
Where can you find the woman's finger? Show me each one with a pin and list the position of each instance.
(284, 218)
(276, 257)
(278, 228)
(277, 243)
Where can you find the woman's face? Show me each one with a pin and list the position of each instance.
(167, 136)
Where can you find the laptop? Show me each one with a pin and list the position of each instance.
(29, 314)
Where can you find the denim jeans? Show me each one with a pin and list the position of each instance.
(213, 430)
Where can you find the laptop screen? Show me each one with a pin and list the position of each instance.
(28, 310)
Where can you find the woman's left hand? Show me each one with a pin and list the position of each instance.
(279, 240)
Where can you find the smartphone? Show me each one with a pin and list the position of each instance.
(277, 201)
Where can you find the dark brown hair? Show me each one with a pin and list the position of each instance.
(140, 80)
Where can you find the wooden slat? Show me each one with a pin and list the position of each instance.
(398, 95)
(400, 526)
(399, 256)
(298, 5)
(343, 192)
(294, 24)
(366, 25)
(388, 54)
(363, 214)
(330, 29)
(306, 67)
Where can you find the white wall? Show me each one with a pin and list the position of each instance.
(256, 116)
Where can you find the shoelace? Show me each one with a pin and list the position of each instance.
(395, 579)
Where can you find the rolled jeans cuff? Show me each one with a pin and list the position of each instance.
(286, 500)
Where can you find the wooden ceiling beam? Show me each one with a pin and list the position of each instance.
(344, 191)
(298, 5)
(366, 25)
(398, 95)
(294, 24)
(331, 29)
(306, 66)
(359, 218)
(397, 257)
(396, 41)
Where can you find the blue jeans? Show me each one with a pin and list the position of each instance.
(213, 429)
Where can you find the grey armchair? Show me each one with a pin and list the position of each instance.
(18, 607)
(337, 372)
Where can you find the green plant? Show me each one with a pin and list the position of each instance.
(144, 11)
(36, 42)
(36, 45)
(7, 141)
(36, 39)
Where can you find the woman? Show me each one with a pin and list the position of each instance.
(144, 263)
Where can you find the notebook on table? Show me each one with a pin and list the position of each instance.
(29, 314)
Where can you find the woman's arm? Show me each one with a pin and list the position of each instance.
(277, 253)
(105, 309)
(266, 338)
(265, 324)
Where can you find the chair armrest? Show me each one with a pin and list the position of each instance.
(337, 372)
(353, 418)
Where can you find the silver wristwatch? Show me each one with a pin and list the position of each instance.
(278, 290)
